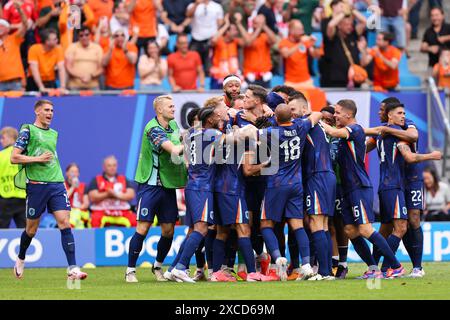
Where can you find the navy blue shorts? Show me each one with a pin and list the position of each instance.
(254, 195)
(230, 209)
(338, 202)
(415, 196)
(357, 207)
(199, 206)
(50, 196)
(392, 205)
(156, 200)
(283, 202)
(320, 191)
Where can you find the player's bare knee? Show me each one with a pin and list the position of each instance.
(400, 228)
(222, 233)
(365, 230)
(201, 227)
(351, 231)
(243, 230)
(167, 230)
(142, 228)
(414, 219)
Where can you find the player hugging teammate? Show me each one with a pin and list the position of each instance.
(250, 173)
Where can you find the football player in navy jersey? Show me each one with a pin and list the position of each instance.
(357, 191)
(283, 197)
(319, 183)
(410, 182)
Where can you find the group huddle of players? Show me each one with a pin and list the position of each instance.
(251, 171)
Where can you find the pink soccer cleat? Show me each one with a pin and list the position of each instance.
(76, 274)
(256, 276)
(19, 268)
(221, 276)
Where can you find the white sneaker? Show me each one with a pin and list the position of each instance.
(317, 277)
(181, 275)
(130, 276)
(159, 274)
(417, 273)
(282, 268)
(169, 276)
(76, 274)
(306, 272)
(19, 268)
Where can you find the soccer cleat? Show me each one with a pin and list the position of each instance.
(243, 275)
(181, 275)
(294, 275)
(222, 276)
(76, 274)
(19, 268)
(319, 277)
(306, 272)
(341, 272)
(272, 274)
(169, 276)
(395, 273)
(159, 274)
(417, 273)
(130, 277)
(371, 274)
(199, 275)
(281, 268)
(257, 276)
(264, 262)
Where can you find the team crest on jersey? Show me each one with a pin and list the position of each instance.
(302, 48)
(246, 214)
(211, 215)
(144, 212)
(31, 212)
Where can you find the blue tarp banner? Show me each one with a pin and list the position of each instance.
(109, 246)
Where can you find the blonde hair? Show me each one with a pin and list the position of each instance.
(9, 131)
(213, 102)
(160, 99)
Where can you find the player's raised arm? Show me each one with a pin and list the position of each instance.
(371, 143)
(375, 131)
(412, 157)
(335, 132)
(410, 135)
(315, 117)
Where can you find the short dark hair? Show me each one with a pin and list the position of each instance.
(70, 165)
(335, 2)
(329, 109)
(388, 36)
(258, 92)
(437, 8)
(45, 34)
(297, 96)
(191, 116)
(290, 91)
(390, 100)
(391, 106)
(205, 113)
(82, 29)
(40, 103)
(349, 105)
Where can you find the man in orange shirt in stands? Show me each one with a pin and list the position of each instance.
(257, 59)
(101, 8)
(11, 68)
(119, 60)
(143, 14)
(294, 49)
(386, 60)
(44, 58)
(441, 70)
(185, 67)
(225, 59)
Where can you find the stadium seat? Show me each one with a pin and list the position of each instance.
(276, 81)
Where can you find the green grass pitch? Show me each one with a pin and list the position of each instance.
(108, 283)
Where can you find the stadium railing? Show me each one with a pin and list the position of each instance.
(438, 110)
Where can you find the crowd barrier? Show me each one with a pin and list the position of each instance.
(109, 246)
